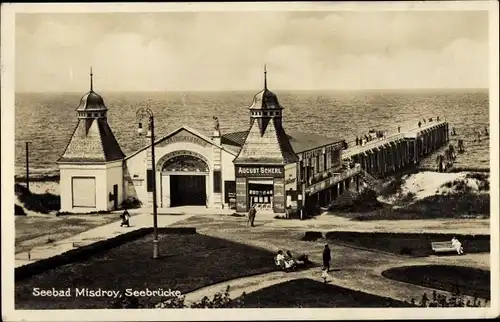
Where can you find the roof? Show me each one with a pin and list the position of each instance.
(272, 146)
(97, 144)
(300, 141)
(91, 102)
(303, 141)
(265, 99)
(194, 132)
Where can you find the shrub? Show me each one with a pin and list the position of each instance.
(409, 197)
(455, 300)
(219, 300)
(312, 235)
(41, 203)
(19, 211)
(393, 187)
(477, 175)
(406, 251)
(131, 203)
(235, 214)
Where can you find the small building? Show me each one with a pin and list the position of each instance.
(263, 165)
(91, 167)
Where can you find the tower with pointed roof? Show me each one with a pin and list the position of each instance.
(91, 165)
(265, 155)
(266, 142)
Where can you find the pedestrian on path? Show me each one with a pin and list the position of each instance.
(327, 257)
(125, 219)
(251, 215)
(324, 275)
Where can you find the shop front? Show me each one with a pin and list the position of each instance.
(262, 186)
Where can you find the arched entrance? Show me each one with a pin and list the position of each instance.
(184, 179)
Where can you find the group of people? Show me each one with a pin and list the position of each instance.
(430, 120)
(285, 261)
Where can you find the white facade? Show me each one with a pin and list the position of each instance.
(182, 142)
(90, 187)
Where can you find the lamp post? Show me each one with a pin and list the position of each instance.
(140, 115)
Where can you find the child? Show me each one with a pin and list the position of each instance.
(324, 274)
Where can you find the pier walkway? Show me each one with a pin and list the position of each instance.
(397, 150)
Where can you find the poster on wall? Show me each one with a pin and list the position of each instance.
(279, 195)
(241, 194)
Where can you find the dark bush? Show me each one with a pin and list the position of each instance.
(477, 175)
(41, 203)
(406, 251)
(393, 187)
(131, 203)
(19, 211)
(312, 235)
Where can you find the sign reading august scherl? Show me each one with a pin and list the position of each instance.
(259, 171)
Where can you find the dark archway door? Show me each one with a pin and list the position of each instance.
(188, 190)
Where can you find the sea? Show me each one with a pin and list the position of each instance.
(47, 120)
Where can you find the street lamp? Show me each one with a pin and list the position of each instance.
(141, 114)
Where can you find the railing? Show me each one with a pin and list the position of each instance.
(371, 144)
(356, 149)
(333, 179)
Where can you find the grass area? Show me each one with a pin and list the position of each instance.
(414, 245)
(187, 262)
(32, 231)
(307, 293)
(462, 280)
(450, 206)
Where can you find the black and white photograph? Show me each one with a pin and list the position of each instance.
(163, 161)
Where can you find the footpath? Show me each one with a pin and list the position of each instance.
(140, 218)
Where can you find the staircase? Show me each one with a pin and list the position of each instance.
(371, 181)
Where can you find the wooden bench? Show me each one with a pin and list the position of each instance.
(441, 247)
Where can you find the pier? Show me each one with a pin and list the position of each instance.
(388, 155)
(375, 160)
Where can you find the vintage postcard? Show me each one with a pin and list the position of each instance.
(249, 161)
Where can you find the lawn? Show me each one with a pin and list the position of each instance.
(463, 205)
(32, 231)
(187, 263)
(414, 245)
(307, 293)
(468, 281)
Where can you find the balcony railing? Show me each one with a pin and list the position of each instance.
(335, 178)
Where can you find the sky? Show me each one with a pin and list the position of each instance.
(182, 51)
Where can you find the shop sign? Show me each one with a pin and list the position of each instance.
(259, 171)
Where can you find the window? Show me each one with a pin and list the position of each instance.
(149, 180)
(316, 165)
(217, 181)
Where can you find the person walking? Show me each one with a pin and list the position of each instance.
(125, 219)
(251, 215)
(327, 257)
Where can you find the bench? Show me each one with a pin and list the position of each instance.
(441, 247)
